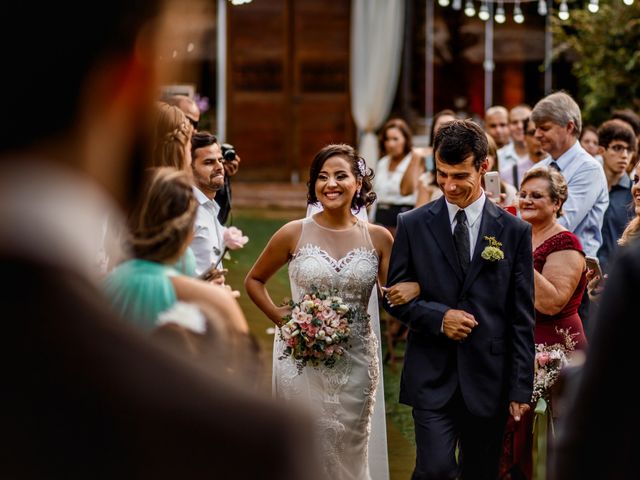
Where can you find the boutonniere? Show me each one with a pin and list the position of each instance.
(492, 251)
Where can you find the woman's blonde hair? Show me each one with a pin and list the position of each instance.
(172, 134)
(631, 232)
(162, 222)
(558, 190)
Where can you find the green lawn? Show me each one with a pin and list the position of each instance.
(259, 225)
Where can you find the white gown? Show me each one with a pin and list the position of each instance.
(341, 398)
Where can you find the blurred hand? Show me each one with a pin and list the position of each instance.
(501, 200)
(401, 293)
(458, 324)
(517, 410)
(595, 284)
(231, 166)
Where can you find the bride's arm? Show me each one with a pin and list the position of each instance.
(382, 242)
(402, 293)
(275, 255)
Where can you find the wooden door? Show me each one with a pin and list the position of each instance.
(288, 84)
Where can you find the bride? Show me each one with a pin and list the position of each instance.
(334, 249)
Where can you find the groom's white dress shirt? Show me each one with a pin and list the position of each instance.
(474, 215)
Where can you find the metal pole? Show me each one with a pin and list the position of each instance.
(428, 93)
(488, 64)
(548, 49)
(221, 90)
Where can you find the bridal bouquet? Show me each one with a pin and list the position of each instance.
(549, 361)
(317, 329)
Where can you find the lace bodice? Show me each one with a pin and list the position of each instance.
(340, 260)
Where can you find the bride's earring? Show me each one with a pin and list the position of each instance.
(358, 193)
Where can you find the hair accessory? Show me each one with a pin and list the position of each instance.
(362, 168)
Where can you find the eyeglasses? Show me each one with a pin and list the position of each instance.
(620, 148)
(193, 122)
(532, 195)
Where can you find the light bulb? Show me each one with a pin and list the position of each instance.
(518, 17)
(628, 2)
(484, 12)
(593, 6)
(469, 9)
(500, 17)
(457, 4)
(563, 14)
(443, 3)
(542, 7)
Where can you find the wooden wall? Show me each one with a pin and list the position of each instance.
(288, 84)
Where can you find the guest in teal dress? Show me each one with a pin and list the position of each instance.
(161, 229)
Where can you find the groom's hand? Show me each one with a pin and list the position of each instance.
(457, 324)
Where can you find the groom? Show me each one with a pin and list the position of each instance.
(470, 350)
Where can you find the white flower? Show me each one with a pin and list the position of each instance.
(186, 315)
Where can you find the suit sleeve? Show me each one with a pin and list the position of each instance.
(419, 315)
(522, 326)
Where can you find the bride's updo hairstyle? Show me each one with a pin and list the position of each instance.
(358, 167)
(164, 218)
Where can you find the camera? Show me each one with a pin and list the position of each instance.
(228, 152)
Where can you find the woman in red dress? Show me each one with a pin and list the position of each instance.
(560, 280)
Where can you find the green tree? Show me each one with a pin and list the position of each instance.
(606, 48)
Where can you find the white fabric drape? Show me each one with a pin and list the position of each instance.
(376, 50)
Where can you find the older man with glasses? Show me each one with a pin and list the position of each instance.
(558, 123)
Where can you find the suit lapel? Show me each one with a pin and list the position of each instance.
(439, 224)
(490, 226)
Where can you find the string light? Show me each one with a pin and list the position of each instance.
(484, 12)
(469, 8)
(500, 16)
(542, 7)
(563, 14)
(518, 17)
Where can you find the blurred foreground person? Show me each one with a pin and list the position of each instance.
(599, 439)
(84, 395)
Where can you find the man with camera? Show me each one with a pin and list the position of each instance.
(231, 161)
(231, 165)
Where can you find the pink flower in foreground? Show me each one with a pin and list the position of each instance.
(233, 238)
(543, 358)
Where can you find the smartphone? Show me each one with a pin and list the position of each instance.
(492, 185)
(594, 264)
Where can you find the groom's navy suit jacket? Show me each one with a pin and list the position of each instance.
(494, 364)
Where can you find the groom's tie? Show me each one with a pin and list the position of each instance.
(461, 239)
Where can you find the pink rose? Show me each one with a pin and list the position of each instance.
(543, 358)
(233, 238)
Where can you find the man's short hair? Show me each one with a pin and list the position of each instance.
(201, 139)
(615, 130)
(558, 108)
(457, 139)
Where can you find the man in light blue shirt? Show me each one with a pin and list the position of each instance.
(558, 123)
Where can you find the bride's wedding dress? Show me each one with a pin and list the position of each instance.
(343, 398)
